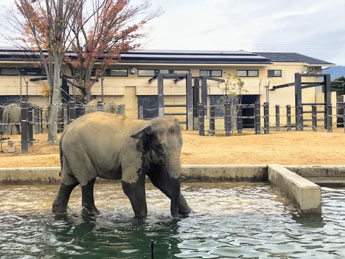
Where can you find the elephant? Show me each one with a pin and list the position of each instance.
(12, 114)
(116, 147)
(92, 107)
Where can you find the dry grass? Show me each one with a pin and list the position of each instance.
(287, 148)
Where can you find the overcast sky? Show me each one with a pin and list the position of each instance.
(311, 27)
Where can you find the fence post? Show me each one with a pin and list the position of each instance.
(301, 122)
(201, 119)
(71, 111)
(121, 109)
(24, 127)
(239, 119)
(288, 117)
(277, 118)
(65, 115)
(314, 117)
(141, 112)
(100, 106)
(40, 120)
(228, 118)
(329, 118)
(344, 117)
(212, 129)
(30, 126)
(267, 118)
(257, 118)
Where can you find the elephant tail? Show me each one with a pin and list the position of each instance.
(61, 156)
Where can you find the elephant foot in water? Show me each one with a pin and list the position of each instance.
(62, 198)
(88, 202)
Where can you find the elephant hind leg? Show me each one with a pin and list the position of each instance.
(88, 201)
(62, 198)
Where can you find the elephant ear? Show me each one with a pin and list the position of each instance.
(142, 132)
(143, 136)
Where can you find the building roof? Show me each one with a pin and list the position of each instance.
(184, 57)
(292, 57)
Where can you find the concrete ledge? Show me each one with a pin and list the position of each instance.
(318, 171)
(251, 173)
(189, 173)
(306, 194)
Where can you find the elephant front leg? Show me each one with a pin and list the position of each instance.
(183, 208)
(62, 198)
(88, 201)
(136, 194)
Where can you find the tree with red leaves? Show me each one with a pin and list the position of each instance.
(115, 27)
(93, 38)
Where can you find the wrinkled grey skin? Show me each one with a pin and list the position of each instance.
(92, 107)
(112, 146)
(11, 114)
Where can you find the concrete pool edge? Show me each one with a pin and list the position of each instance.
(306, 194)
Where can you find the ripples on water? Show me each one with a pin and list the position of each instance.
(231, 220)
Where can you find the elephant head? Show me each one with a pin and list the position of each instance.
(160, 143)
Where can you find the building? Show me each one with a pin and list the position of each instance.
(132, 80)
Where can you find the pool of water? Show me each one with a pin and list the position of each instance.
(231, 220)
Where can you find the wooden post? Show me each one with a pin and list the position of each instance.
(201, 119)
(65, 115)
(24, 127)
(314, 117)
(212, 129)
(288, 117)
(30, 126)
(257, 118)
(71, 111)
(227, 119)
(239, 119)
(141, 112)
(196, 97)
(189, 101)
(298, 100)
(266, 118)
(329, 118)
(277, 118)
(160, 96)
(204, 92)
(301, 124)
(40, 119)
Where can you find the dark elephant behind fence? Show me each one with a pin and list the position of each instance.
(115, 147)
(12, 117)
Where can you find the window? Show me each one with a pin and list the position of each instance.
(275, 73)
(248, 73)
(146, 72)
(163, 71)
(118, 72)
(32, 71)
(213, 73)
(181, 71)
(9, 72)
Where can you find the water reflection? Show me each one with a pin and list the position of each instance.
(230, 221)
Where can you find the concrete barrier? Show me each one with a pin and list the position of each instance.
(245, 173)
(189, 173)
(306, 194)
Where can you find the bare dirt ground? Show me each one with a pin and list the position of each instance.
(287, 148)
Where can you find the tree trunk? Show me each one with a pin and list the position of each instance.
(55, 102)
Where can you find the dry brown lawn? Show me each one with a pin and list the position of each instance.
(287, 148)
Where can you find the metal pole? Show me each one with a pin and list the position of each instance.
(189, 102)
(344, 117)
(314, 117)
(24, 127)
(152, 249)
(239, 119)
(65, 115)
(301, 118)
(277, 118)
(228, 119)
(298, 100)
(329, 118)
(212, 129)
(201, 119)
(288, 117)
(160, 96)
